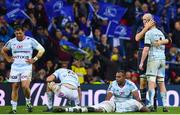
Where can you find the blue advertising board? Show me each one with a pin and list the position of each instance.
(91, 94)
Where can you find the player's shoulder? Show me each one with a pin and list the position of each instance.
(13, 39)
(29, 38)
(113, 83)
(128, 82)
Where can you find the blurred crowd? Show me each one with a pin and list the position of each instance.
(101, 65)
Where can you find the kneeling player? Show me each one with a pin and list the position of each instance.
(68, 88)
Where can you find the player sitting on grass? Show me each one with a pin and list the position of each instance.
(125, 98)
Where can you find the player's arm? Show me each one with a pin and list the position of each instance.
(50, 78)
(80, 94)
(109, 95)
(141, 34)
(109, 92)
(4, 51)
(144, 55)
(136, 95)
(163, 42)
(40, 50)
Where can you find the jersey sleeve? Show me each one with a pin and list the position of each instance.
(36, 44)
(110, 88)
(133, 87)
(147, 38)
(57, 74)
(8, 44)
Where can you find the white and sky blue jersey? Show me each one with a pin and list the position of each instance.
(67, 76)
(21, 51)
(122, 93)
(151, 36)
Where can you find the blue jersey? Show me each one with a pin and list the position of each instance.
(151, 36)
(67, 76)
(124, 93)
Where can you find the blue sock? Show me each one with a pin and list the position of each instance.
(151, 96)
(50, 99)
(164, 98)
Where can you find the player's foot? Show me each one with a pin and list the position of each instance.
(48, 110)
(165, 109)
(29, 107)
(59, 109)
(13, 112)
(152, 109)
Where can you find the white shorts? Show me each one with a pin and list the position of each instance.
(128, 106)
(108, 106)
(156, 68)
(18, 76)
(68, 93)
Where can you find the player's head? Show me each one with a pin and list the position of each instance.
(120, 76)
(147, 17)
(19, 33)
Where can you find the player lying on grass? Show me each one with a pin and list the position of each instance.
(125, 98)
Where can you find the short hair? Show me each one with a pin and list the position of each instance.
(18, 27)
(121, 71)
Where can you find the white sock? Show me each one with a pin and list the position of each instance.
(28, 101)
(14, 105)
(151, 96)
(50, 99)
(164, 98)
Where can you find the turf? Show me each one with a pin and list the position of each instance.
(39, 109)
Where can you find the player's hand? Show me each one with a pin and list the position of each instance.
(149, 24)
(157, 43)
(30, 61)
(10, 59)
(141, 66)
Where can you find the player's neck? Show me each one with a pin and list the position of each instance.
(121, 84)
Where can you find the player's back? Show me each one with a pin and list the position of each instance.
(151, 36)
(122, 93)
(67, 76)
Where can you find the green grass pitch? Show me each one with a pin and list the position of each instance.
(39, 109)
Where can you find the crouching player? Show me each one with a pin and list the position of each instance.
(69, 87)
(125, 98)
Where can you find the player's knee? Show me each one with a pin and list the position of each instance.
(25, 86)
(15, 86)
(160, 79)
(143, 82)
(151, 78)
(51, 85)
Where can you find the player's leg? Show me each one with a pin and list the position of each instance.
(163, 92)
(50, 95)
(143, 79)
(151, 73)
(14, 79)
(14, 97)
(143, 89)
(25, 84)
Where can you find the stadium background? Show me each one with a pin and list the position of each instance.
(74, 37)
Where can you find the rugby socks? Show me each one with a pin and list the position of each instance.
(49, 99)
(164, 98)
(151, 96)
(28, 101)
(14, 105)
(155, 98)
(143, 95)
